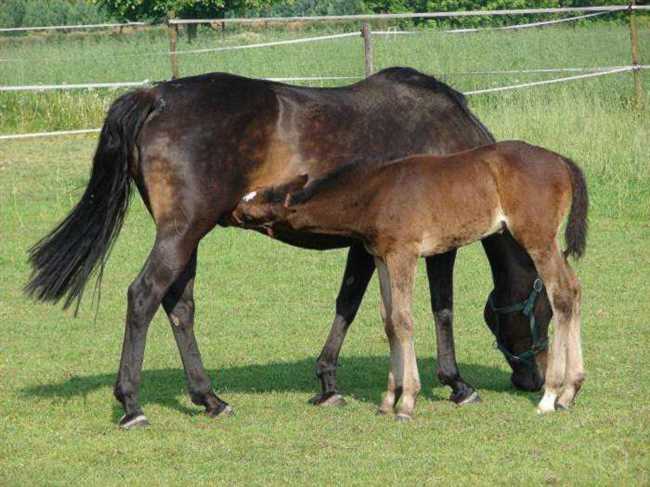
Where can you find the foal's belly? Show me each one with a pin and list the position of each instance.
(441, 238)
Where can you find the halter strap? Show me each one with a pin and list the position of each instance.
(526, 307)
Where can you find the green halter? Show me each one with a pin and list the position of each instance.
(527, 309)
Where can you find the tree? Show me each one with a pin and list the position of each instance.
(187, 9)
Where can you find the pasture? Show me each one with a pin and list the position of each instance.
(264, 309)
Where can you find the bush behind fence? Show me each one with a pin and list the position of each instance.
(33, 13)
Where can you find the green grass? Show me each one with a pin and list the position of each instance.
(263, 311)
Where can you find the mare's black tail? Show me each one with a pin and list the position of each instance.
(64, 260)
(576, 228)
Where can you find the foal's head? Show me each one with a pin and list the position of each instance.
(267, 206)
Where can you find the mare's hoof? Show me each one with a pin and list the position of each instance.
(133, 421)
(463, 401)
(332, 399)
(402, 418)
(221, 411)
(382, 412)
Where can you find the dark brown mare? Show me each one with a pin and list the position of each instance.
(426, 205)
(194, 146)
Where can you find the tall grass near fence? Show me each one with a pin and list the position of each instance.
(142, 55)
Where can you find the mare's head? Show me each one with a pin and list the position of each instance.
(521, 334)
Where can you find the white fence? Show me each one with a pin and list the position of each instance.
(591, 72)
(73, 27)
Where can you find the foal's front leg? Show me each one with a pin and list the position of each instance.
(440, 270)
(396, 276)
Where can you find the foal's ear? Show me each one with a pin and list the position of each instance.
(296, 184)
(293, 186)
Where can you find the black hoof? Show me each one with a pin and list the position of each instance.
(133, 421)
(562, 407)
(330, 399)
(465, 398)
(402, 418)
(220, 411)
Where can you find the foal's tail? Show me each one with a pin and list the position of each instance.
(64, 260)
(576, 229)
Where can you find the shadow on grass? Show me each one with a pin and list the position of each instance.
(363, 378)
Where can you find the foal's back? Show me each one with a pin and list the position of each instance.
(437, 203)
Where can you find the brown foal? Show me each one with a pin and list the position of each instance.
(425, 205)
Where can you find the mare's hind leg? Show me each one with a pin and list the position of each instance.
(167, 260)
(564, 368)
(440, 270)
(397, 277)
(179, 306)
(358, 270)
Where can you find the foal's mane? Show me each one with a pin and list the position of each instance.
(331, 179)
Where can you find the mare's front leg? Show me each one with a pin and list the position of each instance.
(440, 271)
(168, 258)
(396, 277)
(179, 306)
(359, 268)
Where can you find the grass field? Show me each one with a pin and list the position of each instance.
(263, 312)
(264, 309)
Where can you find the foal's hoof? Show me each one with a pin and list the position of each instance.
(563, 405)
(220, 411)
(547, 404)
(331, 399)
(403, 418)
(463, 401)
(133, 421)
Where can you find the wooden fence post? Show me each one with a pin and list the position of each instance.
(367, 44)
(172, 30)
(634, 40)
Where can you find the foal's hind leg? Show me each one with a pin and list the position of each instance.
(165, 263)
(179, 306)
(575, 375)
(397, 276)
(440, 270)
(565, 360)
